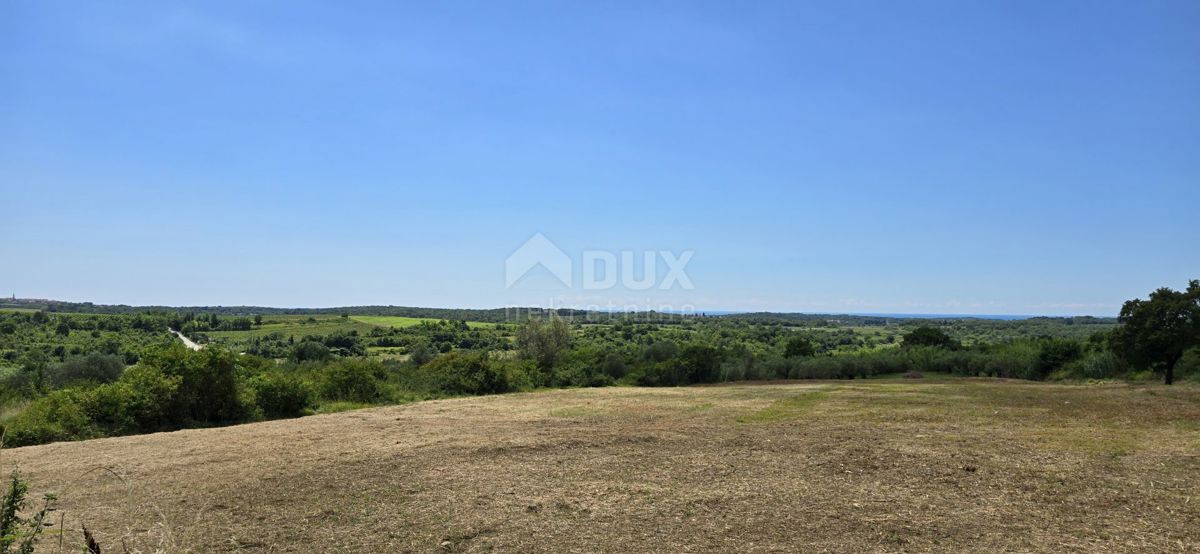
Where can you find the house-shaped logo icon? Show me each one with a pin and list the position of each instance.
(538, 250)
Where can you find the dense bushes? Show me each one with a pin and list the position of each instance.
(92, 368)
(171, 387)
(1026, 359)
(466, 373)
(929, 336)
(309, 351)
(279, 395)
(693, 364)
(352, 381)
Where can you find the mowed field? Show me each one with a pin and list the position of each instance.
(849, 466)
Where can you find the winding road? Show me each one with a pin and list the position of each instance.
(186, 341)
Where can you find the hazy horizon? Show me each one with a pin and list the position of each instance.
(697, 310)
(1016, 158)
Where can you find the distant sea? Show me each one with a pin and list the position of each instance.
(1007, 317)
(898, 316)
(951, 316)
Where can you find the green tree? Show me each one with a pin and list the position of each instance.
(420, 353)
(1155, 333)
(309, 351)
(544, 342)
(929, 336)
(702, 363)
(798, 347)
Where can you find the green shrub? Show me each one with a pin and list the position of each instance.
(798, 346)
(1053, 354)
(57, 416)
(461, 372)
(150, 396)
(280, 395)
(1016, 359)
(208, 383)
(1095, 365)
(352, 380)
(310, 351)
(17, 533)
(92, 368)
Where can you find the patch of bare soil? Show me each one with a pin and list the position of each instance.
(839, 467)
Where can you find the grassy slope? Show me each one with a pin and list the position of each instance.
(945, 465)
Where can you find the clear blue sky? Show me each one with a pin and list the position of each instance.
(942, 157)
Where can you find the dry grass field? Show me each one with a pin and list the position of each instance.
(850, 466)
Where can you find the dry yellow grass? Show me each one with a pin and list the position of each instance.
(953, 466)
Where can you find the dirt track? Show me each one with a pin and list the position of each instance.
(847, 467)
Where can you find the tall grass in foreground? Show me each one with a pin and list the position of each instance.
(20, 531)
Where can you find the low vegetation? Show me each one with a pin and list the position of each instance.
(78, 376)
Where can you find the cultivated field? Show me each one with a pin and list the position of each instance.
(297, 326)
(848, 466)
(400, 321)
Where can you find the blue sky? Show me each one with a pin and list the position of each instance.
(917, 157)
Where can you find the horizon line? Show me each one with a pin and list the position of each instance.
(614, 309)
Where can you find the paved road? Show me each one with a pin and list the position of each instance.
(186, 341)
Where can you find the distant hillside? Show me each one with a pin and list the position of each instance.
(500, 315)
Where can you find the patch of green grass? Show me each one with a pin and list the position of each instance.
(296, 326)
(342, 406)
(786, 408)
(399, 321)
(11, 410)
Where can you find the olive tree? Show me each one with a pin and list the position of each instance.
(1155, 333)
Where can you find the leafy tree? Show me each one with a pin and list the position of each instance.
(929, 336)
(420, 353)
(1155, 333)
(702, 363)
(544, 342)
(797, 347)
(309, 351)
(661, 351)
(614, 366)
